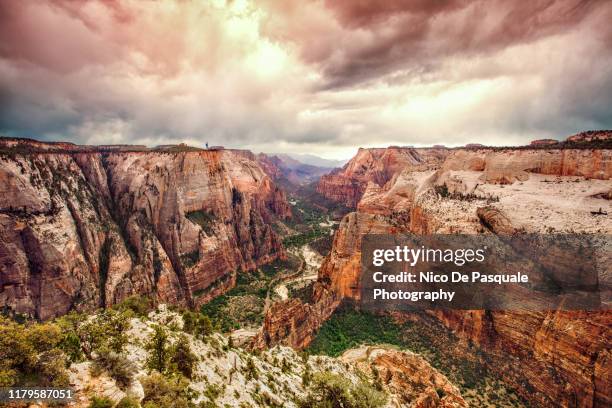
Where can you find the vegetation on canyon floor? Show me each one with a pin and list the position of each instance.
(243, 305)
(313, 219)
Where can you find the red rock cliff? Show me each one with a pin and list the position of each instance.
(553, 359)
(348, 184)
(85, 229)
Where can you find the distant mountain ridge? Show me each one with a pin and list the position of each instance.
(290, 172)
(310, 159)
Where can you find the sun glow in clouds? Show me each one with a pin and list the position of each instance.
(323, 77)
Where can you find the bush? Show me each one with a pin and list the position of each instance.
(51, 369)
(17, 355)
(162, 392)
(29, 352)
(101, 402)
(71, 342)
(44, 337)
(139, 305)
(71, 346)
(106, 331)
(333, 390)
(197, 324)
(212, 392)
(118, 366)
(128, 402)
(364, 395)
(251, 372)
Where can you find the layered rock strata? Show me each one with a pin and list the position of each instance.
(554, 358)
(347, 185)
(84, 229)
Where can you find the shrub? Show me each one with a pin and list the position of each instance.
(71, 346)
(162, 392)
(333, 390)
(118, 366)
(128, 402)
(212, 392)
(101, 402)
(44, 337)
(197, 324)
(306, 376)
(251, 371)
(71, 342)
(16, 353)
(157, 346)
(139, 305)
(364, 395)
(51, 368)
(30, 351)
(106, 331)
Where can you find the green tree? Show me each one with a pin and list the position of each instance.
(197, 324)
(183, 359)
(157, 346)
(71, 342)
(51, 368)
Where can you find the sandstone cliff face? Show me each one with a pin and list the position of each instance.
(348, 184)
(553, 359)
(87, 229)
(411, 380)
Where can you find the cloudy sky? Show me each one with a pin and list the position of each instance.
(321, 77)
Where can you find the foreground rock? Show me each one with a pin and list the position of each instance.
(273, 377)
(413, 381)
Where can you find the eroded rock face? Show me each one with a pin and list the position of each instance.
(409, 378)
(348, 184)
(507, 166)
(553, 359)
(88, 229)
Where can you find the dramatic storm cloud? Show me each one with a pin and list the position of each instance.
(320, 77)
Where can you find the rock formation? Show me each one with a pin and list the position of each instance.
(81, 228)
(412, 380)
(348, 184)
(552, 358)
(274, 377)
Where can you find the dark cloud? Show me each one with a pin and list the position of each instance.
(326, 76)
(402, 34)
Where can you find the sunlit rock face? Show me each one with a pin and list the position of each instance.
(84, 228)
(348, 184)
(555, 358)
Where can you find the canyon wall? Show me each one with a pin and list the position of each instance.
(552, 358)
(81, 229)
(377, 165)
